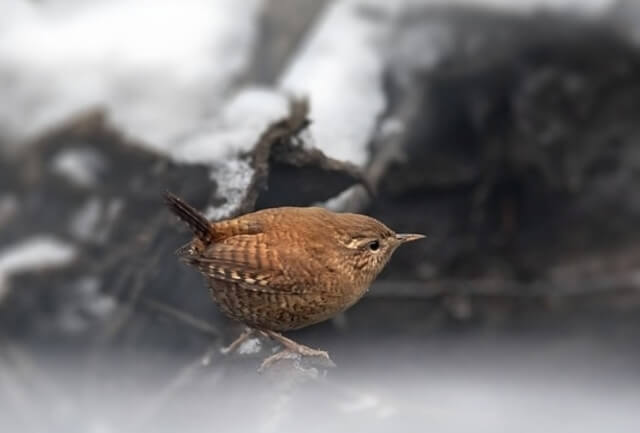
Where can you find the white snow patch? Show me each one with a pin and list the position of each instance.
(161, 67)
(80, 166)
(249, 347)
(232, 178)
(222, 144)
(37, 253)
(340, 68)
(343, 202)
(237, 129)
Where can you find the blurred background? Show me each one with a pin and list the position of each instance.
(507, 131)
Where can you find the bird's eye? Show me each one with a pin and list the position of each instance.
(374, 245)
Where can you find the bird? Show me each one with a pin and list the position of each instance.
(285, 268)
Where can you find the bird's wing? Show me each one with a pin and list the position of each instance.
(256, 263)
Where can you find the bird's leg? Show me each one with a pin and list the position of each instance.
(294, 347)
(248, 332)
(291, 347)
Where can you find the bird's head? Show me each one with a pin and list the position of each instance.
(368, 243)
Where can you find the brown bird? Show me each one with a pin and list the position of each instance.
(286, 268)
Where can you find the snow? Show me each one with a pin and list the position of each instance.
(222, 144)
(340, 68)
(238, 128)
(250, 347)
(168, 74)
(161, 67)
(164, 70)
(80, 166)
(232, 178)
(39, 252)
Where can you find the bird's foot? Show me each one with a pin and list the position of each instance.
(293, 350)
(248, 332)
(273, 359)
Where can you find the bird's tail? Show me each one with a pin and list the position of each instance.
(196, 221)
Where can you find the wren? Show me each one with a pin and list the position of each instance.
(285, 268)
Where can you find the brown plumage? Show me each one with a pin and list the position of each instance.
(286, 268)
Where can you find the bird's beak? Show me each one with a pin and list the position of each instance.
(402, 238)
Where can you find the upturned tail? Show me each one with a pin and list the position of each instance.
(196, 221)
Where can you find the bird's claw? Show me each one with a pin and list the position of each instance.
(297, 355)
(291, 349)
(237, 342)
(307, 351)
